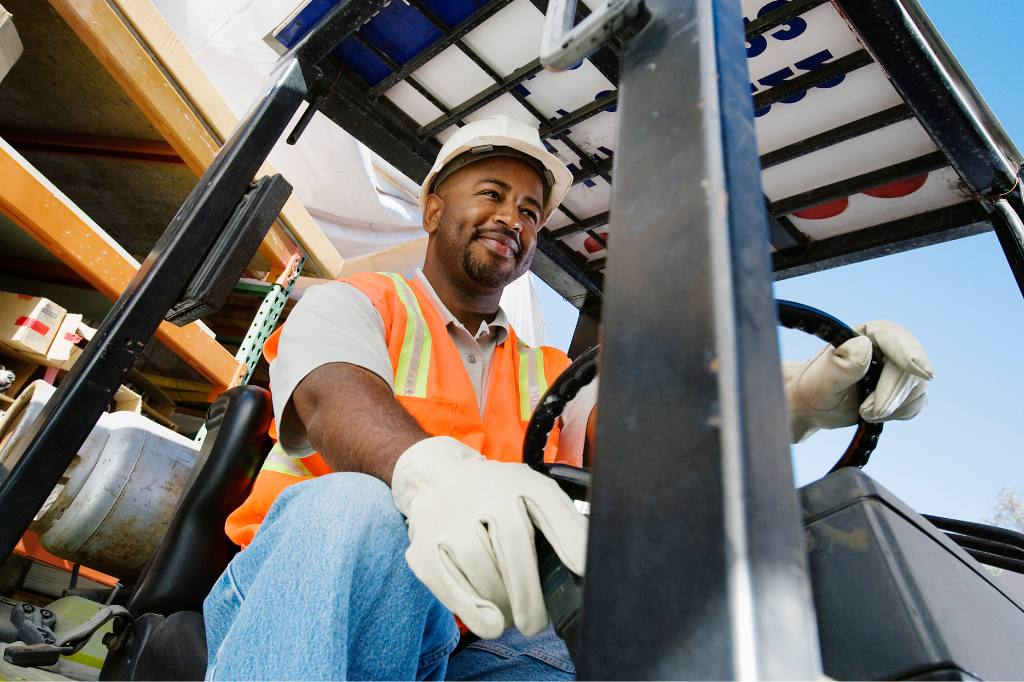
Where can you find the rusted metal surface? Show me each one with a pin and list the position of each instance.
(113, 504)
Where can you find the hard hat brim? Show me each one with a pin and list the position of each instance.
(561, 176)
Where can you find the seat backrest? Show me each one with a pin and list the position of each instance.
(195, 550)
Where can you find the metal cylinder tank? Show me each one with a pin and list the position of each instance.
(114, 503)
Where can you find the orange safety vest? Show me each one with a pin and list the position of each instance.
(432, 384)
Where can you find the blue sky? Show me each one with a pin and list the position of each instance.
(959, 298)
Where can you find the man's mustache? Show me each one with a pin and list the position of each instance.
(504, 232)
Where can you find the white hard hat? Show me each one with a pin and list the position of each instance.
(500, 136)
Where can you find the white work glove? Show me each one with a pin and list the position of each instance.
(822, 392)
(471, 533)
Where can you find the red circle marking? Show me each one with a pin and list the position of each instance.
(829, 209)
(900, 188)
(592, 245)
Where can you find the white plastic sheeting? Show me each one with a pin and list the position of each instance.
(366, 208)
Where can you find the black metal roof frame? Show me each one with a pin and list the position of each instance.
(905, 44)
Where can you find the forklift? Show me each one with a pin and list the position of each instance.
(706, 140)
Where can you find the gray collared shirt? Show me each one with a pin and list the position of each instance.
(475, 350)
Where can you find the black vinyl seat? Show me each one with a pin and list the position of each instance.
(166, 641)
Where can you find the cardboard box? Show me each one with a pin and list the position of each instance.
(10, 43)
(28, 324)
(127, 400)
(65, 349)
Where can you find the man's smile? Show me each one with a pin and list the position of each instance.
(501, 244)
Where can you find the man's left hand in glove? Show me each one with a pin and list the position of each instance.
(822, 392)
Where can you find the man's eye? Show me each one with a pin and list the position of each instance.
(490, 193)
(530, 214)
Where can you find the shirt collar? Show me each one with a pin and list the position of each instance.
(498, 326)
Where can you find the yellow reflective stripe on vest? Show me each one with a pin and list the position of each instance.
(414, 360)
(279, 461)
(532, 380)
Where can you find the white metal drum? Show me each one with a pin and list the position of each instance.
(113, 504)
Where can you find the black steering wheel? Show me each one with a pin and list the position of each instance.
(563, 590)
(582, 371)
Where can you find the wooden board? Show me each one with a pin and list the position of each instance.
(138, 48)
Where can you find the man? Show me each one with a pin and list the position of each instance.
(417, 392)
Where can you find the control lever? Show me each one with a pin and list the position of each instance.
(563, 45)
(36, 655)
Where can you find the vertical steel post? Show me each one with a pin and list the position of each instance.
(69, 416)
(1006, 221)
(696, 564)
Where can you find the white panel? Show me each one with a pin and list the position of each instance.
(879, 149)
(942, 188)
(585, 202)
(507, 105)
(510, 39)
(557, 220)
(415, 105)
(563, 152)
(788, 45)
(568, 90)
(595, 132)
(586, 246)
(863, 92)
(452, 77)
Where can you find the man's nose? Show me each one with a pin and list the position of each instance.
(508, 215)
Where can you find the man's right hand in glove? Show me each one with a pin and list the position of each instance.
(471, 533)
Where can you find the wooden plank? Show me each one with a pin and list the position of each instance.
(163, 44)
(101, 29)
(141, 51)
(39, 208)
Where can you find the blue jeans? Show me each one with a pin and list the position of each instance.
(324, 592)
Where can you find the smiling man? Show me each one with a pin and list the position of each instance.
(401, 408)
(417, 393)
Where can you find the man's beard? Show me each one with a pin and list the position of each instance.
(479, 271)
(483, 275)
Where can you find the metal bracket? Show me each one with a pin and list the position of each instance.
(46, 653)
(563, 46)
(227, 259)
(263, 323)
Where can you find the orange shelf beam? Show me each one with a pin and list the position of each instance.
(39, 208)
(139, 49)
(142, 79)
(29, 547)
(156, 151)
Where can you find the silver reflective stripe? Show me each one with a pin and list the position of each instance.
(532, 380)
(279, 461)
(414, 358)
(534, 383)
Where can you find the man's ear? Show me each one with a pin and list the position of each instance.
(433, 207)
